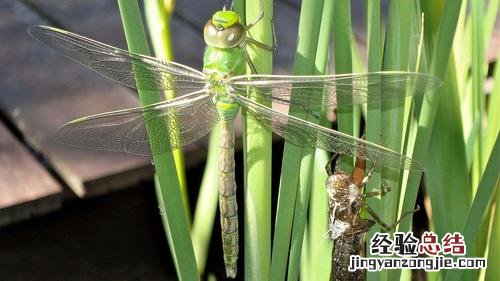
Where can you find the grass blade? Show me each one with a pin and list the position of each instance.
(342, 35)
(477, 69)
(158, 15)
(493, 120)
(257, 155)
(492, 272)
(440, 56)
(445, 192)
(373, 112)
(310, 17)
(491, 134)
(396, 57)
(316, 250)
(207, 203)
(177, 226)
(485, 194)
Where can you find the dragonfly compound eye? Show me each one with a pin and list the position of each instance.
(224, 30)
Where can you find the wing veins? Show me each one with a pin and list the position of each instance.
(304, 133)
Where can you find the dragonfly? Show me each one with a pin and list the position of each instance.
(216, 95)
(346, 227)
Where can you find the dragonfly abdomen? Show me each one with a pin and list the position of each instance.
(227, 198)
(346, 227)
(343, 249)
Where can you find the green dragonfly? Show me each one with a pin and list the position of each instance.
(217, 93)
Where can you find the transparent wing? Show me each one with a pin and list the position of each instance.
(304, 133)
(180, 121)
(314, 92)
(117, 64)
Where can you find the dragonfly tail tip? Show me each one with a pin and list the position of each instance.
(231, 272)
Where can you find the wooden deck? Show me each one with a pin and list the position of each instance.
(26, 188)
(41, 90)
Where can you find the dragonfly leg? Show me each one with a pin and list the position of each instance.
(385, 188)
(273, 30)
(260, 44)
(228, 6)
(250, 64)
(363, 226)
(259, 17)
(384, 225)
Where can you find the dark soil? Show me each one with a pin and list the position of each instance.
(114, 237)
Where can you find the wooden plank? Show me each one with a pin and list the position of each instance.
(100, 20)
(26, 188)
(42, 90)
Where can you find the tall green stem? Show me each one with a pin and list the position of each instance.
(373, 112)
(314, 251)
(257, 155)
(310, 19)
(181, 246)
(158, 17)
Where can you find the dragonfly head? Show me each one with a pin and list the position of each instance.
(224, 30)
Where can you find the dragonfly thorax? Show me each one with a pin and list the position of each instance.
(216, 82)
(341, 189)
(220, 63)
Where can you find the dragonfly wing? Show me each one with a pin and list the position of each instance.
(314, 92)
(303, 133)
(176, 122)
(119, 65)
